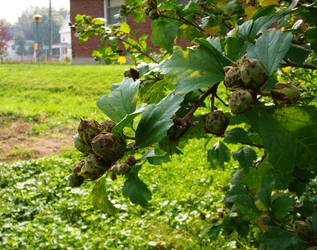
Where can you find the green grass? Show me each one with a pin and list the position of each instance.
(57, 93)
(38, 210)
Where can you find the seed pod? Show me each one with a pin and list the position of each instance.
(285, 94)
(240, 101)
(93, 163)
(81, 146)
(109, 147)
(233, 78)
(107, 126)
(131, 160)
(216, 123)
(75, 180)
(253, 73)
(120, 168)
(132, 73)
(88, 129)
(78, 166)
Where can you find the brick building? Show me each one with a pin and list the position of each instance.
(81, 53)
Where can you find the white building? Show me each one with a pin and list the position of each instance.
(11, 51)
(64, 46)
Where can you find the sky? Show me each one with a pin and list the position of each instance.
(12, 9)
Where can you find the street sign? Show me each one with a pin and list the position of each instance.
(46, 47)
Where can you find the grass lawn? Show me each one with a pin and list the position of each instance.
(38, 210)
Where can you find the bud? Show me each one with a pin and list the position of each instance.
(232, 78)
(81, 146)
(216, 123)
(75, 180)
(88, 129)
(285, 94)
(253, 73)
(240, 101)
(109, 147)
(120, 168)
(107, 126)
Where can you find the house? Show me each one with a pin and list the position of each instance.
(65, 49)
(81, 53)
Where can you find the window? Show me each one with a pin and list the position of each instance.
(112, 7)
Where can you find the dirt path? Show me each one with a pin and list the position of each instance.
(17, 142)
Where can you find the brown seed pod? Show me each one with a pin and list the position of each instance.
(75, 180)
(216, 123)
(81, 146)
(88, 129)
(108, 147)
(107, 126)
(232, 78)
(284, 93)
(120, 168)
(132, 73)
(240, 101)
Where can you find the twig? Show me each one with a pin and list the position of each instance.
(211, 90)
(129, 137)
(305, 66)
(252, 144)
(140, 51)
(183, 20)
(221, 100)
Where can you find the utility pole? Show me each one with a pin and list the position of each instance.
(50, 30)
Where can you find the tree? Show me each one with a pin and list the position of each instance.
(19, 41)
(25, 21)
(262, 57)
(4, 37)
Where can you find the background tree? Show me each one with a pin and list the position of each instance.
(4, 37)
(20, 42)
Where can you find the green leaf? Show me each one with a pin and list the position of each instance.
(136, 190)
(99, 199)
(121, 101)
(245, 156)
(156, 120)
(195, 68)
(297, 54)
(243, 204)
(218, 155)
(290, 140)
(128, 119)
(163, 33)
(235, 47)
(155, 159)
(124, 27)
(278, 239)
(311, 37)
(265, 192)
(282, 206)
(314, 223)
(271, 48)
(237, 135)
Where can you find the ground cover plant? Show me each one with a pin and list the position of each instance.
(39, 210)
(238, 80)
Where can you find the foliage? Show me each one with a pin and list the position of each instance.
(267, 194)
(4, 37)
(19, 41)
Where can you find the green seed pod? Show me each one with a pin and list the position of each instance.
(78, 166)
(107, 126)
(132, 73)
(120, 168)
(240, 101)
(93, 163)
(232, 78)
(285, 94)
(81, 146)
(109, 147)
(88, 129)
(216, 123)
(75, 180)
(253, 73)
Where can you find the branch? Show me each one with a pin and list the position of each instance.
(252, 144)
(182, 19)
(305, 66)
(209, 91)
(140, 51)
